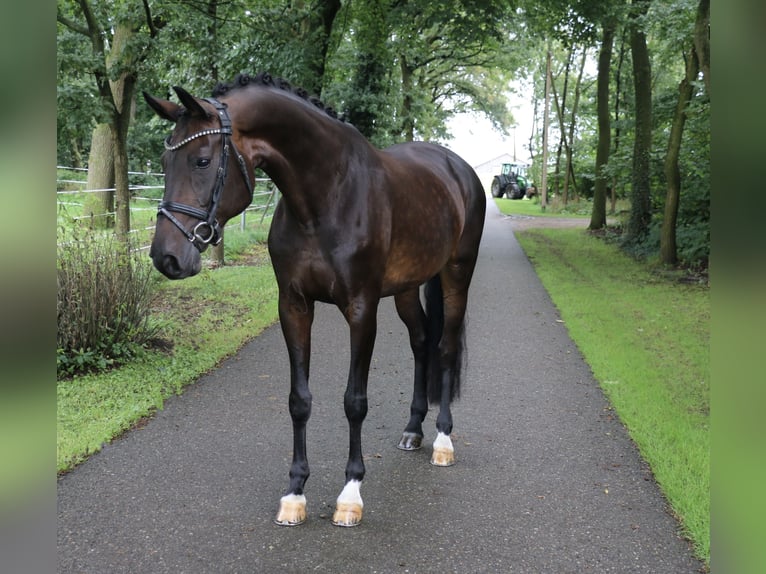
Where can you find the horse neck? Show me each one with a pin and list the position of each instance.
(302, 149)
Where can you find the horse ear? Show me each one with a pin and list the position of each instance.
(165, 109)
(191, 103)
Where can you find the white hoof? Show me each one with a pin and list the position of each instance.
(348, 506)
(443, 453)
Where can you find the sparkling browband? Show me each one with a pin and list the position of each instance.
(183, 142)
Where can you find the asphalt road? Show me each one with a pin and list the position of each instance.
(546, 479)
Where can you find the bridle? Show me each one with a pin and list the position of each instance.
(207, 231)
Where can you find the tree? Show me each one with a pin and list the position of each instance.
(598, 213)
(100, 204)
(702, 41)
(668, 249)
(567, 131)
(407, 65)
(546, 110)
(117, 51)
(668, 246)
(366, 101)
(640, 207)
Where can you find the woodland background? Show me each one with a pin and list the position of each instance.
(625, 112)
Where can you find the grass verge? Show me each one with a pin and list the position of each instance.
(555, 208)
(646, 338)
(203, 319)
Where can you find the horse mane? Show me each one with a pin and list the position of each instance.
(265, 79)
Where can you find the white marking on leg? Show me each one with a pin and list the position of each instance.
(444, 452)
(348, 507)
(294, 499)
(350, 493)
(443, 441)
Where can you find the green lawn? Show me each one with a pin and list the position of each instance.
(646, 338)
(531, 207)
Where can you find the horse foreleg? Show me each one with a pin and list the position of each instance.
(362, 320)
(296, 323)
(412, 315)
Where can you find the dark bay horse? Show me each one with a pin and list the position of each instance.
(354, 224)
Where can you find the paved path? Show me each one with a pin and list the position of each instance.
(546, 480)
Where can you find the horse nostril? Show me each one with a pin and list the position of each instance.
(168, 265)
(171, 267)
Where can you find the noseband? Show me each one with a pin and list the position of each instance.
(207, 231)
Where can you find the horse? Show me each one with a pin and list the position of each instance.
(354, 224)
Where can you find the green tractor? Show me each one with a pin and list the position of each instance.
(512, 182)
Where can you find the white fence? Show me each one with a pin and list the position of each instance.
(264, 199)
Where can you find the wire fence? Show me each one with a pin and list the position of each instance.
(75, 205)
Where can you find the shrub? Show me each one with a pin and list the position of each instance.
(102, 304)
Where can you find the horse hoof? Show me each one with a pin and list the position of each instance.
(347, 514)
(443, 453)
(292, 510)
(443, 457)
(410, 441)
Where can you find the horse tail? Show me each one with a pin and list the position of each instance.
(434, 330)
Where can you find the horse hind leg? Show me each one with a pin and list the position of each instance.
(412, 315)
(445, 382)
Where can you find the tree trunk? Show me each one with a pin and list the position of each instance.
(546, 112)
(617, 131)
(562, 139)
(560, 107)
(99, 205)
(570, 139)
(123, 88)
(640, 208)
(326, 11)
(535, 102)
(668, 249)
(598, 214)
(408, 123)
(121, 182)
(702, 41)
(315, 32)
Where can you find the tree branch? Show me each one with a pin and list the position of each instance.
(71, 24)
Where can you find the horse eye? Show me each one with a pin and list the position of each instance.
(203, 162)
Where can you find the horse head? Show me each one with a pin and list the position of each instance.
(199, 198)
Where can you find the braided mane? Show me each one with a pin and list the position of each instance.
(266, 79)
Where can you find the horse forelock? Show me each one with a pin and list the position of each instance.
(264, 79)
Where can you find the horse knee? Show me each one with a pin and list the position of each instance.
(300, 406)
(355, 407)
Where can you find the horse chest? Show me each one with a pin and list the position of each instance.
(330, 273)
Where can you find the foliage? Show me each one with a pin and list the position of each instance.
(406, 67)
(649, 350)
(668, 26)
(403, 68)
(102, 304)
(237, 301)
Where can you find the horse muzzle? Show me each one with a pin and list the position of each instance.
(186, 263)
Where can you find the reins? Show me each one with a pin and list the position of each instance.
(207, 231)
